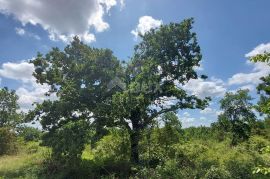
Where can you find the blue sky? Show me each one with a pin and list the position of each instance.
(228, 32)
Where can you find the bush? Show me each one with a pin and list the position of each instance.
(112, 152)
(256, 143)
(240, 165)
(217, 173)
(29, 133)
(67, 142)
(8, 143)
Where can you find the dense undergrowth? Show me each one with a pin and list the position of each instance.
(194, 153)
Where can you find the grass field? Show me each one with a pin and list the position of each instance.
(24, 164)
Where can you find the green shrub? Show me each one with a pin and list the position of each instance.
(217, 173)
(240, 165)
(112, 152)
(29, 133)
(8, 143)
(256, 143)
(67, 142)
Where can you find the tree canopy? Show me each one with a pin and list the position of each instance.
(82, 77)
(237, 116)
(9, 116)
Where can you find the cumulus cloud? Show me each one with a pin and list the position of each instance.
(33, 93)
(29, 91)
(202, 88)
(262, 48)
(62, 18)
(146, 23)
(258, 70)
(186, 119)
(17, 71)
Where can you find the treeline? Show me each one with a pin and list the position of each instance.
(116, 119)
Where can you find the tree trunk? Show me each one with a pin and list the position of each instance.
(134, 146)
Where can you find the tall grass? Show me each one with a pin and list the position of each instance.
(24, 164)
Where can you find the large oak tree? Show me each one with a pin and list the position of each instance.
(95, 90)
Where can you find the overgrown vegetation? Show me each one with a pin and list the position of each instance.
(113, 120)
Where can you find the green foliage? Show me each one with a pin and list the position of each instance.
(79, 76)
(265, 57)
(29, 133)
(217, 173)
(67, 142)
(8, 141)
(240, 165)
(170, 133)
(112, 153)
(8, 106)
(163, 60)
(265, 170)
(238, 117)
(112, 148)
(264, 87)
(83, 77)
(201, 132)
(115, 108)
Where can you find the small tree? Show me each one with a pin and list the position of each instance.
(238, 112)
(8, 144)
(8, 108)
(170, 133)
(29, 133)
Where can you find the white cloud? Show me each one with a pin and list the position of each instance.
(20, 31)
(207, 111)
(202, 118)
(17, 71)
(186, 114)
(259, 70)
(30, 94)
(248, 87)
(62, 18)
(202, 88)
(146, 23)
(186, 120)
(29, 91)
(262, 48)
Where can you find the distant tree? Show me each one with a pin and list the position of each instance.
(222, 127)
(170, 132)
(171, 120)
(9, 116)
(29, 133)
(238, 116)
